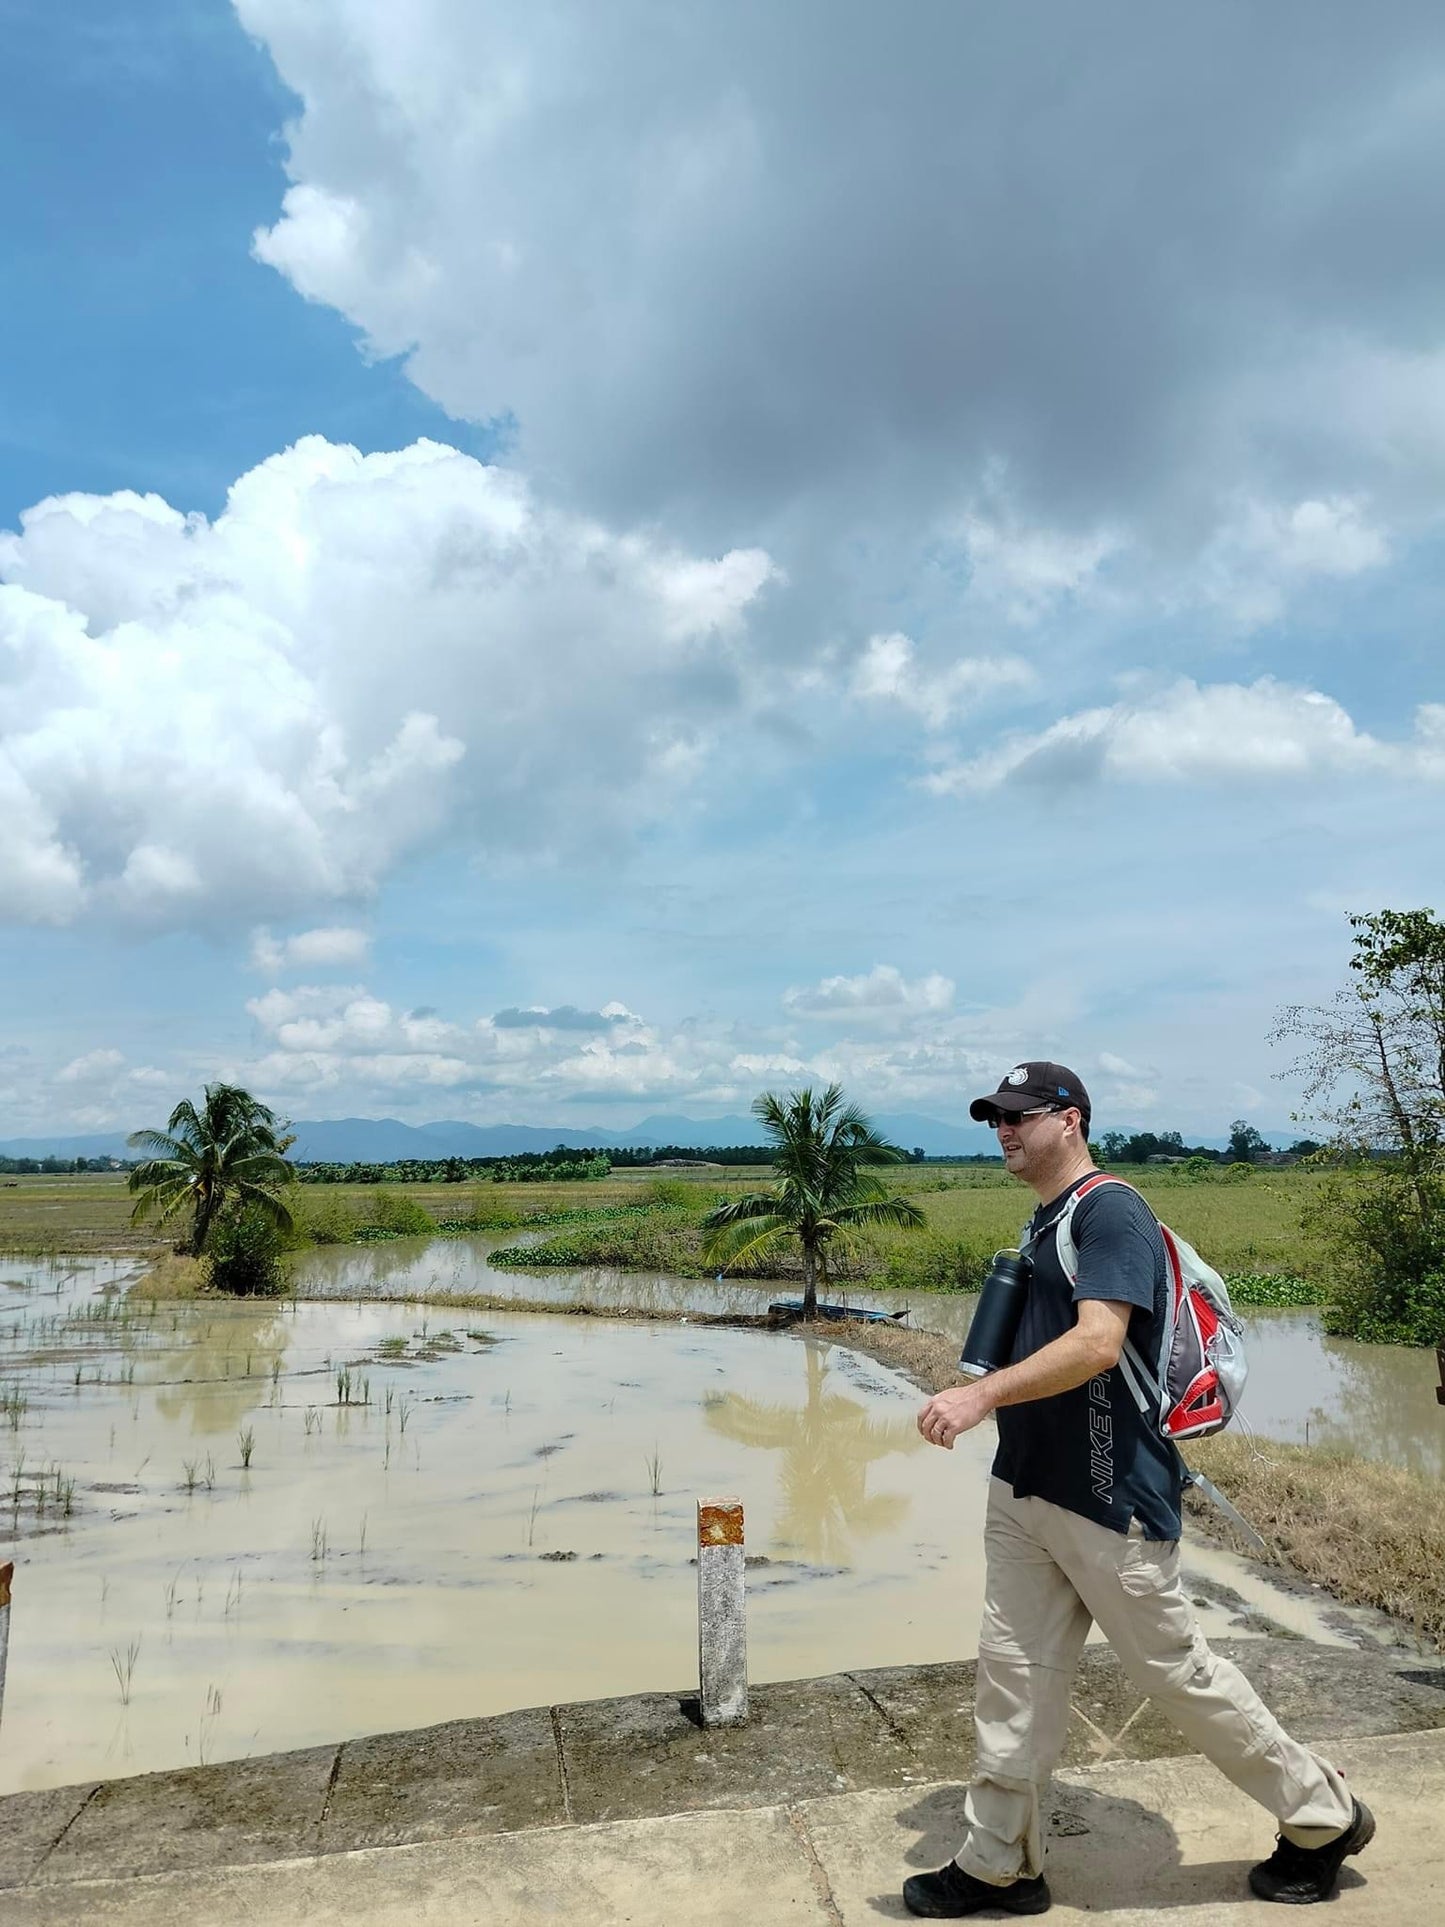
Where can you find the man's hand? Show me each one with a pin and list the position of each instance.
(948, 1415)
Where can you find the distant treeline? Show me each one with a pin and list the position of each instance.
(562, 1165)
(1244, 1147)
(55, 1167)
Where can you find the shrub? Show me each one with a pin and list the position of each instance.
(245, 1252)
(401, 1216)
(1237, 1173)
(1384, 1233)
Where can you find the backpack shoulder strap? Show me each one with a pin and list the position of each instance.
(1147, 1392)
(1064, 1219)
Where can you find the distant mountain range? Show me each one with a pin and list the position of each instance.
(384, 1140)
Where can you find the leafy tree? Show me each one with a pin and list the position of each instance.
(1245, 1143)
(1373, 1067)
(819, 1147)
(228, 1155)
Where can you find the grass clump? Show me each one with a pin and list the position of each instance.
(1271, 1288)
(935, 1261)
(172, 1277)
(393, 1214)
(654, 1238)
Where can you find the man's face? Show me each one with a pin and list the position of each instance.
(1032, 1142)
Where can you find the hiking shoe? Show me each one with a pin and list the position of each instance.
(950, 1893)
(1301, 1875)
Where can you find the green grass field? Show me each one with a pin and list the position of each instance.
(651, 1221)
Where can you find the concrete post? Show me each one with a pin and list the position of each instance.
(722, 1631)
(7, 1573)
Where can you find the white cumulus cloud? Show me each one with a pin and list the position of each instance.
(883, 991)
(889, 671)
(334, 945)
(217, 723)
(1265, 730)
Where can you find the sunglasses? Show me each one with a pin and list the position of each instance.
(995, 1118)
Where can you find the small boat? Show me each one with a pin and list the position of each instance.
(865, 1315)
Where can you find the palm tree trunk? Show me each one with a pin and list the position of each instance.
(201, 1228)
(810, 1281)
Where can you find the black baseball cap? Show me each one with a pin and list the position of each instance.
(1031, 1086)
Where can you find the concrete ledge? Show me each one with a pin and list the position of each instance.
(1135, 1840)
(612, 1760)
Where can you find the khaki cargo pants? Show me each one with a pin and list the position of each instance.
(1050, 1573)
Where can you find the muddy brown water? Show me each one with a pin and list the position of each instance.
(494, 1509)
(1304, 1387)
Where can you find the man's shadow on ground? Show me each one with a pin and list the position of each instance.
(1104, 1854)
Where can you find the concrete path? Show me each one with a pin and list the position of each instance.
(1133, 1839)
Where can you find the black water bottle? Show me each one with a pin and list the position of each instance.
(996, 1316)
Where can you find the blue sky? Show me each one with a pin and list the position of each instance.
(828, 557)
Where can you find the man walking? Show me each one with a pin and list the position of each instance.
(1083, 1526)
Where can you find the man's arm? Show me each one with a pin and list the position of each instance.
(1091, 1347)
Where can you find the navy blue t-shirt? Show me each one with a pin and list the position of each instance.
(1090, 1450)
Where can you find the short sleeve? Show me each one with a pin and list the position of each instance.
(1121, 1254)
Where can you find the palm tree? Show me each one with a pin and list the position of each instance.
(230, 1152)
(821, 1187)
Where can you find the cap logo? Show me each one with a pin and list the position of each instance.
(1018, 1075)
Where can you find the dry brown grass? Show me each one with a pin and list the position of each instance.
(172, 1277)
(1370, 1534)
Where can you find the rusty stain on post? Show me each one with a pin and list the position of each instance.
(7, 1573)
(719, 1522)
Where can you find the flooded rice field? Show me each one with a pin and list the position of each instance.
(1305, 1388)
(245, 1527)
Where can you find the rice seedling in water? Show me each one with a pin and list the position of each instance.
(532, 1514)
(311, 1419)
(363, 1534)
(246, 1440)
(209, 1473)
(189, 1475)
(207, 1721)
(318, 1539)
(343, 1386)
(171, 1590)
(233, 1595)
(403, 1413)
(123, 1664)
(654, 1470)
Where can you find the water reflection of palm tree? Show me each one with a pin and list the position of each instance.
(217, 1369)
(827, 1445)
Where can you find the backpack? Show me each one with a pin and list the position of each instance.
(1194, 1386)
